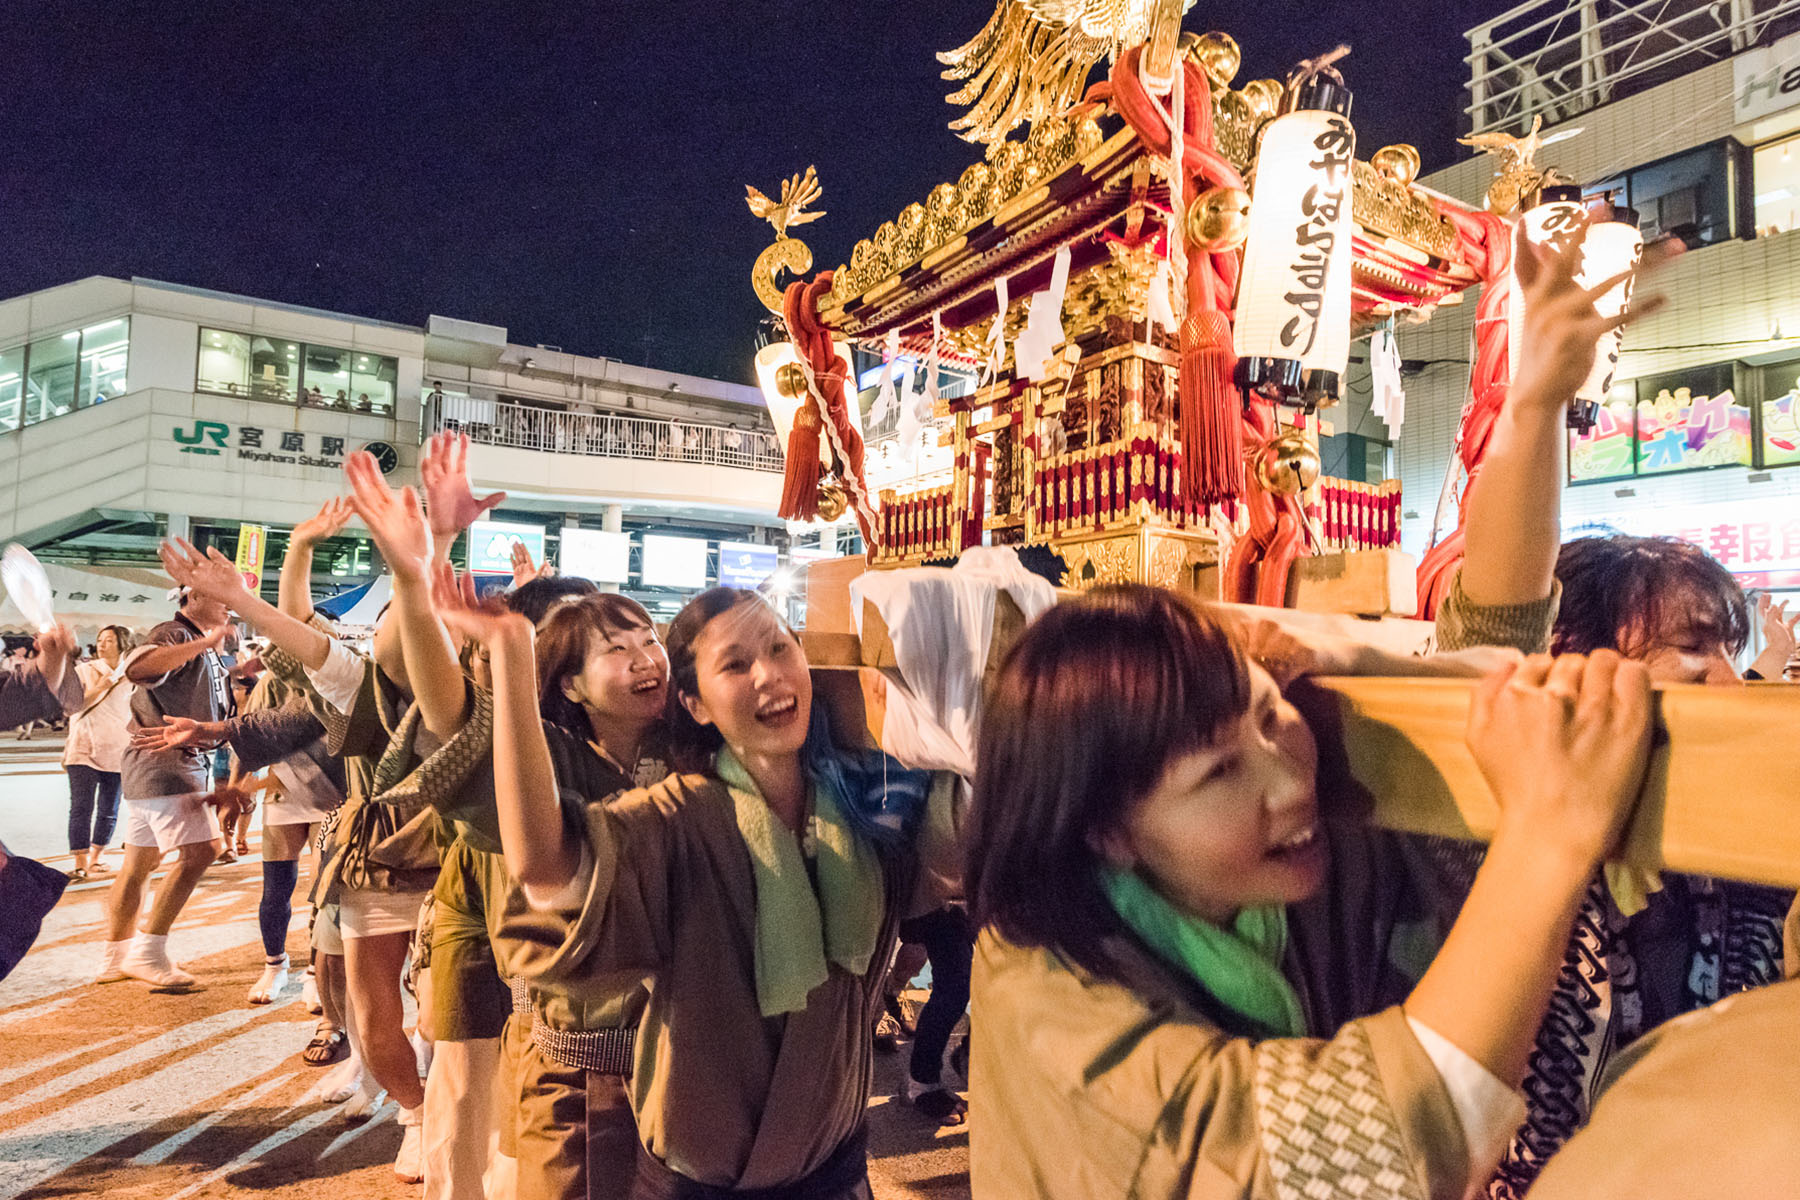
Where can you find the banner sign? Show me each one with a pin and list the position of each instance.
(1744, 535)
(251, 544)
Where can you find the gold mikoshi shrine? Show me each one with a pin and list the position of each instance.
(1086, 461)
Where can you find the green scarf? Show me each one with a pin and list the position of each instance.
(1239, 967)
(798, 930)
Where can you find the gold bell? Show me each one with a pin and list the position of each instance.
(1398, 164)
(1218, 55)
(1286, 464)
(832, 502)
(1263, 96)
(1219, 219)
(790, 380)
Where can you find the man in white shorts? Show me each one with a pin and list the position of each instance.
(177, 673)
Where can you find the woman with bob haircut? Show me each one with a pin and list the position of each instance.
(757, 893)
(1192, 982)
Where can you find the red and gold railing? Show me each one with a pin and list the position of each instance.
(1359, 516)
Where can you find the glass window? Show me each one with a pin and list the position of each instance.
(1686, 196)
(50, 376)
(12, 387)
(1778, 415)
(1775, 168)
(274, 369)
(105, 351)
(327, 377)
(1690, 420)
(373, 382)
(224, 364)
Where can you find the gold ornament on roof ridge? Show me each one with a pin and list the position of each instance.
(1030, 60)
(1517, 175)
(1013, 168)
(787, 254)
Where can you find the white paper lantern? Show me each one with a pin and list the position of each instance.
(1612, 246)
(1293, 304)
(1556, 216)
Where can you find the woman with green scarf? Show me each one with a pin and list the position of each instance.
(757, 893)
(1194, 980)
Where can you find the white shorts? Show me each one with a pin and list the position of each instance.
(167, 823)
(363, 913)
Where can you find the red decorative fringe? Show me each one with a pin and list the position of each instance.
(800, 482)
(1210, 426)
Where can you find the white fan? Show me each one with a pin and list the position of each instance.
(28, 586)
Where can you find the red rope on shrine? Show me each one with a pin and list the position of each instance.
(800, 482)
(1486, 244)
(1216, 420)
(1208, 422)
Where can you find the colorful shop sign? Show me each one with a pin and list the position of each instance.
(1605, 451)
(1781, 428)
(1681, 430)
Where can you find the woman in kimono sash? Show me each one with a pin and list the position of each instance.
(564, 1058)
(758, 894)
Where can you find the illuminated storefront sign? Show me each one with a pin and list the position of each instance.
(1745, 535)
(491, 545)
(1692, 420)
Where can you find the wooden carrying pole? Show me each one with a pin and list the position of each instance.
(1722, 796)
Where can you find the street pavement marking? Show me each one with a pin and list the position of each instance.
(163, 1046)
(176, 1141)
(50, 1145)
(355, 1131)
(31, 1012)
(44, 1064)
(57, 969)
(271, 1143)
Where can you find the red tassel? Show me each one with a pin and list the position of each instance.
(1212, 439)
(800, 483)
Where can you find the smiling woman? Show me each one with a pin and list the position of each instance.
(1185, 950)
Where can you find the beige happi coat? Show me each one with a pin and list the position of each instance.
(724, 1095)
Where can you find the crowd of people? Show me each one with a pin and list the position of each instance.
(650, 908)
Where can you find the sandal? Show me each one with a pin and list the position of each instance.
(225, 856)
(941, 1106)
(328, 1046)
(78, 876)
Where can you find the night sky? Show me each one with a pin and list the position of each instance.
(572, 171)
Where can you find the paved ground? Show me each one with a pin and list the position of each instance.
(114, 1090)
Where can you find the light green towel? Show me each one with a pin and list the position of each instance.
(797, 930)
(1239, 967)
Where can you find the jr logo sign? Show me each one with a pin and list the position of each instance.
(196, 440)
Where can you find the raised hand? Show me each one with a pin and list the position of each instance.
(210, 574)
(1562, 328)
(1779, 639)
(56, 650)
(523, 569)
(395, 519)
(444, 474)
(176, 733)
(465, 616)
(328, 522)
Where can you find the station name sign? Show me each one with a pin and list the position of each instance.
(256, 444)
(1766, 80)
